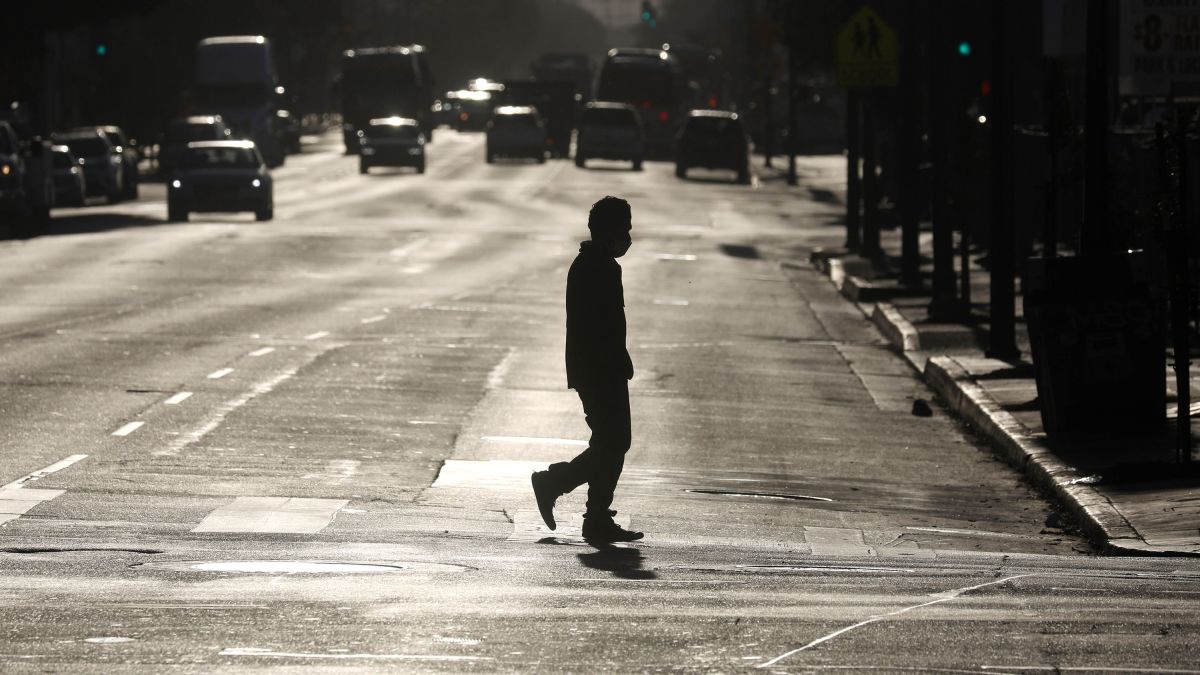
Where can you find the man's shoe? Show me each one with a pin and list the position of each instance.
(546, 495)
(607, 532)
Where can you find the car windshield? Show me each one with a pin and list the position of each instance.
(90, 146)
(514, 121)
(63, 160)
(609, 117)
(713, 126)
(406, 132)
(220, 158)
(183, 132)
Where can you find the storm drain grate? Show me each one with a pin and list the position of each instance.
(759, 495)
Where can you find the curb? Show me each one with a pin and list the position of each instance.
(1097, 516)
(1099, 519)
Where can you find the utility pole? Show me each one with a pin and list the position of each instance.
(910, 197)
(1002, 336)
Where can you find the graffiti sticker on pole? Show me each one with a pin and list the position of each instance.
(867, 52)
(1159, 47)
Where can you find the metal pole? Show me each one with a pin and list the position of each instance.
(853, 180)
(1095, 235)
(1002, 336)
(769, 133)
(1179, 300)
(910, 198)
(791, 101)
(870, 230)
(943, 303)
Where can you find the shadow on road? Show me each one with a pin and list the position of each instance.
(86, 223)
(624, 563)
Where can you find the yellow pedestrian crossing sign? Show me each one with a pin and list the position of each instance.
(867, 52)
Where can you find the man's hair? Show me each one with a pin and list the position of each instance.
(608, 215)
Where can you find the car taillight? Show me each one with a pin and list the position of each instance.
(664, 116)
(712, 101)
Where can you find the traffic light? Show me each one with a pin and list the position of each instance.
(964, 48)
(649, 14)
(101, 49)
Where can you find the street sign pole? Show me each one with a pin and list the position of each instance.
(853, 182)
(910, 197)
(1002, 343)
(943, 305)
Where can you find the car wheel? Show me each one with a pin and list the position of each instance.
(579, 160)
(176, 213)
(113, 196)
(490, 157)
(131, 189)
(680, 171)
(541, 158)
(363, 167)
(637, 165)
(743, 176)
(265, 213)
(421, 167)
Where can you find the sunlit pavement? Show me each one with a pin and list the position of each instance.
(234, 445)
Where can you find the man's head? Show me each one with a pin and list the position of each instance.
(610, 221)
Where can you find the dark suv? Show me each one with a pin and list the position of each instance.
(713, 139)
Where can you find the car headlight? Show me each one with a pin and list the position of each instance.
(368, 150)
(176, 184)
(256, 183)
(5, 169)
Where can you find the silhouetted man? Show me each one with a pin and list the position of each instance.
(599, 370)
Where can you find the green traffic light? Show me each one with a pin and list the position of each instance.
(101, 50)
(964, 48)
(646, 15)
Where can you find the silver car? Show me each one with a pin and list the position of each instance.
(610, 130)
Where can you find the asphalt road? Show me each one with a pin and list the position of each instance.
(236, 446)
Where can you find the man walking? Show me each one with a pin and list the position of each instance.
(599, 370)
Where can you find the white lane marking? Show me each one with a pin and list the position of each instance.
(969, 533)
(1090, 669)
(408, 248)
(837, 541)
(289, 515)
(374, 319)
(128, 428)
(317, 335)
(268, 653)
(419, 268)
(183, 440)
(495, 378)
(497, 474)
(946, 596)
(687, 257)
(534, 440)
(671, 301)
(178, 398)
(42, 473)
(218, 374)
(262, 352)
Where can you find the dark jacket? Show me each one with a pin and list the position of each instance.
(596, 350)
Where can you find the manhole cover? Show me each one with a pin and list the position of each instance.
(759, 495)
(294, 567)
(299, 567)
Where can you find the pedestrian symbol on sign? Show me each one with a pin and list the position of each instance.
(867, 52)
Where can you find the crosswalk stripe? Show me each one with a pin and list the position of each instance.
(292, 515)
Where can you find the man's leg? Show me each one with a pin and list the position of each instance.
(606, 407)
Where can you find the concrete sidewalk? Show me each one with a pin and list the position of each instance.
(1123, 492)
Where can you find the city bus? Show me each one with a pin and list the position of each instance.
(649, 80)
(384, 82)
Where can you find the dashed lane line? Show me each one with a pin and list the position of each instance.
(317, 335)
(42, 473)
(178, 398)
(128, 428)
(218, 374)
(262, 352)
(374, 319)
